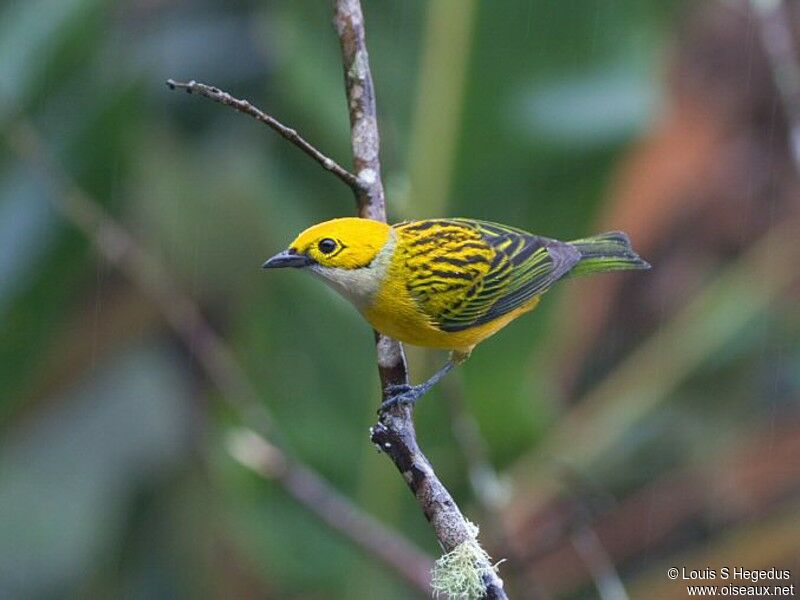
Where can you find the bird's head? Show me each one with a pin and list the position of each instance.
(345, 252)
(348, 243)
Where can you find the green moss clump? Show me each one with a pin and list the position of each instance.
(459, 573)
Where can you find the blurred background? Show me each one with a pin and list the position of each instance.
(633, 423)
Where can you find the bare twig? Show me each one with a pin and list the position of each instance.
(394, 433)
(287, 133)
(775, 22)
(218, 361)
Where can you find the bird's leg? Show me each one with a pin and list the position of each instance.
(409, 394)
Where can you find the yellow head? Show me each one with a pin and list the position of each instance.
(347, 243)
(351, 254)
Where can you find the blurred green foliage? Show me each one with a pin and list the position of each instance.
(113, 476)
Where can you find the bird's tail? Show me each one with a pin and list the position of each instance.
(609, 251)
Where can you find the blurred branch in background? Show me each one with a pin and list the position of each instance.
(712, 175)
(341, 515)
(723, 495)
(489, 489)
(653, 370)
(781, 49)
(119, 248)
(696, 360)
(763, 273)
(601, 566)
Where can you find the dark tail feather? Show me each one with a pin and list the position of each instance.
(606, 252)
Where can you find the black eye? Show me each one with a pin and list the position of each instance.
(327, 245)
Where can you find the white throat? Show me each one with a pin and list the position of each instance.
(359, 286)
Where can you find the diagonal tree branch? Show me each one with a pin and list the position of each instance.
(307, 487)
(394, 433)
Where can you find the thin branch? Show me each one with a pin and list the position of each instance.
(394, 433)
(218, 361)
(775, 20)
(287, 133)
(348, 20)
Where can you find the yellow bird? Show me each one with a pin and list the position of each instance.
(445, 283)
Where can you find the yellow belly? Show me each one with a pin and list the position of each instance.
(394, 313)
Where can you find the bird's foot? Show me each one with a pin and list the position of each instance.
(398, 389)
(402, 394)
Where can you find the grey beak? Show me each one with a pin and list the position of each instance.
(287, 258)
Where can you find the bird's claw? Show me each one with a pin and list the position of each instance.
(398, 389)
(401, 394)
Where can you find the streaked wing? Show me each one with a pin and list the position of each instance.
(514, 266)
(443, 262)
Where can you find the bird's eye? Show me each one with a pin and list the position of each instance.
(327, 245)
